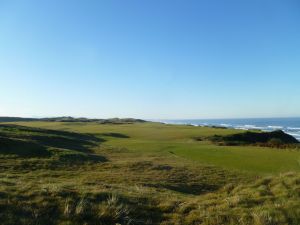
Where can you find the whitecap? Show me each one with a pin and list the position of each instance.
(294, 134)
(241, 128)
(225, 125)
(275, 127)
(293, 128)
(250, 127)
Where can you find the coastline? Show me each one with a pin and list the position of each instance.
(290, 126)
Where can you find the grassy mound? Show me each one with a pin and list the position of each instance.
(72, 119)
(35, 142)
(22, 148)
(272, 139)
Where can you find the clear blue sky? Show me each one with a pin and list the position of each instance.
(150, 59)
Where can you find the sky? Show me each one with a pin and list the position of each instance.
(169, 59)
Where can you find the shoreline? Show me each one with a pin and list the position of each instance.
(266, 124)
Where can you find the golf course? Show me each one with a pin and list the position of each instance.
(141, 172)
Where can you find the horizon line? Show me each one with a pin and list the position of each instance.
(157, 120)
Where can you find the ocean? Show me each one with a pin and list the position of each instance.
(288, 125)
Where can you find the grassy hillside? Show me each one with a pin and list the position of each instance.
(72, 119)
(141, 173)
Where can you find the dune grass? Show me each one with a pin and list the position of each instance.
(143, 173)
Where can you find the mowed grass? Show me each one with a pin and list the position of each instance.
(178, 140)
(255, 160)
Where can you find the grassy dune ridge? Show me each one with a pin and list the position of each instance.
(142, 173)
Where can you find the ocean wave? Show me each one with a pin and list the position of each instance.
(294, 134)
(248, 127)
(225, 125)
(275, 127)
(241, 128)
(293, 128)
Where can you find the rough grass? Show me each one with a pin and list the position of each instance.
(21, 141)
(277, 139)
(144, 174)
(268, 201)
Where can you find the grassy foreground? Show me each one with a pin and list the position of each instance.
(141, 173)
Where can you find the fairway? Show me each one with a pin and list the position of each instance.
(255, 160)
(178, 140)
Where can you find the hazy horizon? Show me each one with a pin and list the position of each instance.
(155, 119)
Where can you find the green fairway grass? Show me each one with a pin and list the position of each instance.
(177, 140)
